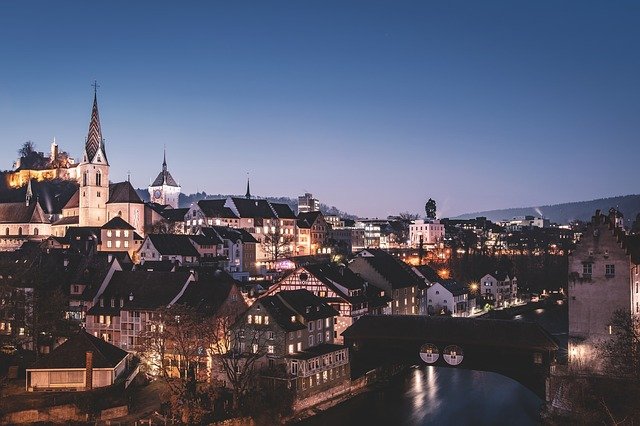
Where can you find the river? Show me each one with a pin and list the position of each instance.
(427, 395)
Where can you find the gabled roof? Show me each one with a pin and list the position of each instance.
(164, 178)
(148, 289)
(294, 303)
(76, 233)
(171, 244)
(74, 201)
(72, 354)
(216, 208)
(211, 239)
(123, 192)
(283, 211)
(21, 213)
(210, 292)
(429, 273)
(68, 220)
(454, 287)
(174, 215)
(330, 273)
(252, 208)
(499, 275)
(117, 223)
(228, 233)
(397, 273)
(306, 220)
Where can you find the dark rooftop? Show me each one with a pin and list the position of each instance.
(123, 192)
(72, 353)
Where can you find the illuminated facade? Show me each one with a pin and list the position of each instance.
(603, 278)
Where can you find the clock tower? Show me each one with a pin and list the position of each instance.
(165, 190)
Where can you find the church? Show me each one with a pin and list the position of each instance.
(97, 201)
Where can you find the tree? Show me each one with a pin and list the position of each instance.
(622, 351)
(430, 208)
(30, 158)
(277, 244)
(174, 348)
(238, 347)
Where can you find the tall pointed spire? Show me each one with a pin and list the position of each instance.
(248, 194)
(164, 160)
(29, 192)
(94, 138)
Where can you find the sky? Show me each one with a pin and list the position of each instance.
(372, 106)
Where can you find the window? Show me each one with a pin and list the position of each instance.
(610, 270)
(126, 233)
(249, 319)
(266, 320)
(270, 349)
(311, 325)
(117, 232)
(109, 243)
(271, 335)
(84, 179)
(294, 367)
(319, 338)
(311, 340)
(257, 319)
(319, 324)
(587, 268)
(299, 346)
(109, 233)
(291, 348)
(98, 178)
(254, 348)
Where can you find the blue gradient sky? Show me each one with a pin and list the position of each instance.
(372, 106)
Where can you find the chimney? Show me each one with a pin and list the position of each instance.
(89, 370)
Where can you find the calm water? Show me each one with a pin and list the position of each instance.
(428, 395)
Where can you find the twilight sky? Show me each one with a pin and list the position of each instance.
(373, 106)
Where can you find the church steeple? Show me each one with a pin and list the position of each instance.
(248, 194)
(94, 142)
(164, 162)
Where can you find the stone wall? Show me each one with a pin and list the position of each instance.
(57, 414)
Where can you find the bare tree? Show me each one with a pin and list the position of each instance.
(238, 347)
(277, 244)
(174, 349)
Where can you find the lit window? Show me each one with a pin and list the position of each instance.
(117, 232)
(118, 243)
(291, 348)
(109, 244)
(109, 233)
(610, 270)
(270, 349)
(126, 233)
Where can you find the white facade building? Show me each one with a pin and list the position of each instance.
(431, 232)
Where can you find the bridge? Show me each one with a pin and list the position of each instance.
(522, 351)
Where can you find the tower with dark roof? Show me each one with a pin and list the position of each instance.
(164, 189)
(93, 174)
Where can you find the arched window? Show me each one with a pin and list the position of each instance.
(85, 177)
(35, 231)
(98, 178)
(7, 231)
(20, 231)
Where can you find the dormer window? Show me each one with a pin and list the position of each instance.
(293, 318)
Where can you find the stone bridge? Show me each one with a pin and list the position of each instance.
(522, 351)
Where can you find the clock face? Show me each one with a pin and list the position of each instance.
(157, 194)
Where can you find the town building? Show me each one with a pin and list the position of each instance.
(312, 233)
(499, 287)
(448, 297)
(176, 248)
(22, 222)
(306, 204)
(426, 232)
(81, 363)
(397, 279)
(297, 330)
(603, 278)
(349, 294)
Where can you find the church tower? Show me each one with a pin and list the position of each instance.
(93, 174)
(165, 190)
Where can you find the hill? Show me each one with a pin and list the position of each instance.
(564, 213)
(186, 201)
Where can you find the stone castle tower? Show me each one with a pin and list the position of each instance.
(93, 175)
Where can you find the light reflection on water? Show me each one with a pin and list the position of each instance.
(430, 395)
